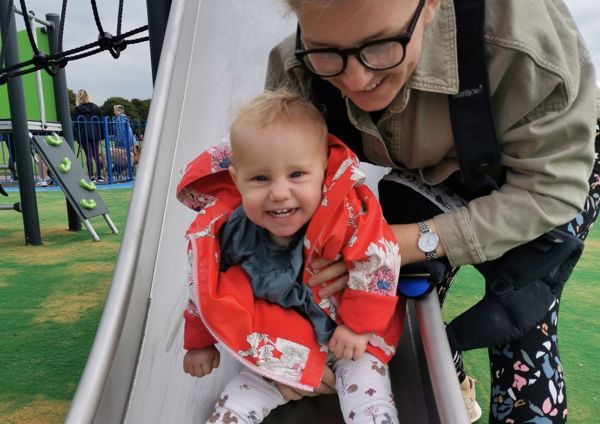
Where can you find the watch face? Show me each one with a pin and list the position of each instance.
(428, 242)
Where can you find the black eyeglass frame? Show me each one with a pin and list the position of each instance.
(403, 39)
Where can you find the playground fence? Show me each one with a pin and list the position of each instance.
(101, 144)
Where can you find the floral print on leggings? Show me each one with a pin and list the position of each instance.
(581, 225)
(528, 384)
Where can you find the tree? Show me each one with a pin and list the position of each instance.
(107, 106)
(142, 107)
(136, 109)
(71, 95)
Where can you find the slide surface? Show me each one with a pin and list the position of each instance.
(214, 58)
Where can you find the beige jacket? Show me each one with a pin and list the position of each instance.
(543, 88)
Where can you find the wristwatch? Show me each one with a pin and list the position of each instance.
(428, 241)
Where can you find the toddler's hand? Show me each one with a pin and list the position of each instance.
(348, 345)
(200, 362)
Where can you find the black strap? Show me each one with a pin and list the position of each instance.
(333, 106)
(470, 109)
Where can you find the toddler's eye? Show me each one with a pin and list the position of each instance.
(260, 178)
(296, 174)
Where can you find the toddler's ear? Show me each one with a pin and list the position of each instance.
(233, 173)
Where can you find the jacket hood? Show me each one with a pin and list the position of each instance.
(207, 178)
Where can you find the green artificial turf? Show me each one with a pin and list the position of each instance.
(51, 300)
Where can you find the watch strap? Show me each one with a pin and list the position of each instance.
(424, 228)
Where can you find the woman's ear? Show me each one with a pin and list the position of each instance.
(429, 11)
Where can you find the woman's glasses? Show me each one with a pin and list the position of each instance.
(377, 55)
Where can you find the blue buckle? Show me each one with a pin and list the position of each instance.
(414, 286)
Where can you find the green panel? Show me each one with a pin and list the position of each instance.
(29, 83)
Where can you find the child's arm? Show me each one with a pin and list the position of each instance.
(345, 343)
(200, 362)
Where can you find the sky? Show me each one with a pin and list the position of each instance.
(130, 75)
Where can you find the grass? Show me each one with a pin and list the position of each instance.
(51, 300)
(579, 338)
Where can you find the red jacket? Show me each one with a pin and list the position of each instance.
(273, 341)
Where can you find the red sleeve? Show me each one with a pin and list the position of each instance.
(364, 312)
(373, 260)
(195, 335)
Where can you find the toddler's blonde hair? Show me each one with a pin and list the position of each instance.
(273, 107)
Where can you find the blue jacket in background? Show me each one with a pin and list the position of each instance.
(123, 133)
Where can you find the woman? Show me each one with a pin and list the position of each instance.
(89, 133)
(394, 62)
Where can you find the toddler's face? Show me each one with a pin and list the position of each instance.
(279, 171)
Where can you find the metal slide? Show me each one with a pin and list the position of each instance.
(213, 58)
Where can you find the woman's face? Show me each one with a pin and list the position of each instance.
(350, 23)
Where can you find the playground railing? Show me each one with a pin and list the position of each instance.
(99, 145)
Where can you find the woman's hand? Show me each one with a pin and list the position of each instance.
(327, 387)
(332, 277)
(201, 362)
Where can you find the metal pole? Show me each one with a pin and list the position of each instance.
(61, 98)
(38, 78)
(32, 16)
(18, 117)
(158, 16)
(448, 398)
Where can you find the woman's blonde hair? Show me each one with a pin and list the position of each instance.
(82, 97)
(276, 106)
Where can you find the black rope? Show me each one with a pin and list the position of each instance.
(93, 52)
(120, 17)
(53, 69)
(113, 44)
(61, 30)
(5, 28)
(27, 22)
(60, 59)
(97, 17)
(53, 63)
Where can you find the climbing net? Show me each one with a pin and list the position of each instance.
(52, 63)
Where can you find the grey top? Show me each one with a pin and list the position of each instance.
(274, 270)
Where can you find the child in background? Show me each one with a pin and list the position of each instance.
(303, 197)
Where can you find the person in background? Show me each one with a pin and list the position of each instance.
(122, 151)
(88, 120)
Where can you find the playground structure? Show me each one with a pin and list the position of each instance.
(134, 371)
(53, 62)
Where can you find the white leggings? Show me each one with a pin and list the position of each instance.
(363, 388)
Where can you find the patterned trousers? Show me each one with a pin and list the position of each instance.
(363, 387)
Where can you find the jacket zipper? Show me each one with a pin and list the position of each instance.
(237, 356)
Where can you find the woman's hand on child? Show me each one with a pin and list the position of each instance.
(200, 362)
(327, 387)
(332, 277)
(347, 344)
